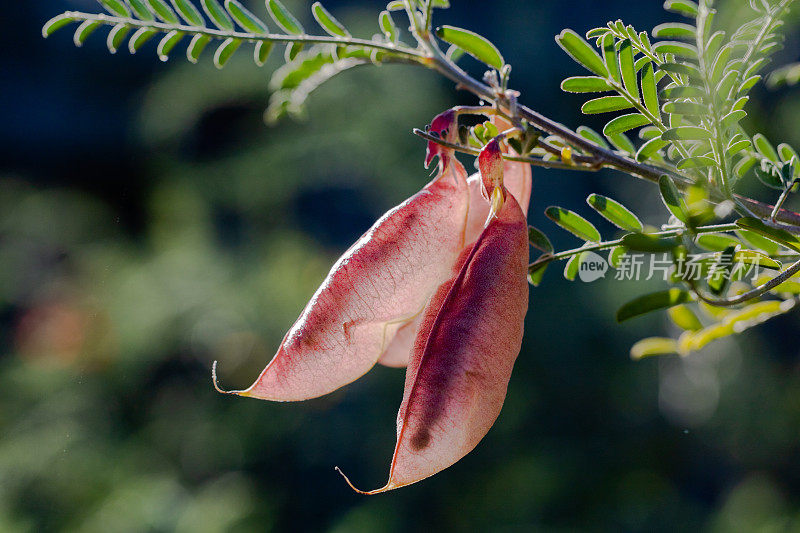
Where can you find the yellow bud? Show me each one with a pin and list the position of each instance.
(566, 155)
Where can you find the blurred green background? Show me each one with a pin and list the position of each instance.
(150, 223)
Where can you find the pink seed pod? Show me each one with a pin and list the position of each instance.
(381, 283)
(469, 337)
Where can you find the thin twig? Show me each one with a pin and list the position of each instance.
(749, 295)
(547, 258)
(410, 53)
(432, 57)
(602, 156)
(517, 159)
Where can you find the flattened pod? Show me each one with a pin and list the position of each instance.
(469, 338)
(518, 181)
(383, 281)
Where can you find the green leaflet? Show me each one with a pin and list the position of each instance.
(653, 302)
(244, 18)
(755, 240)
(686, 133)
(650, 132)
(650, 90)
(726, 84)
(615, 212)
(225, 51)
(650, 148)
(328, 22)
(713, 44)
(536, 272)
(720, 64)
(588, 133)
(475, 45)
(639, 64)
(743, 166)
(716, 242)
(672, 199)
(189, 13)
(196, 47)
(606, 104)
(765, 148)
(585, 84)
(283, 17)
(696, 162)
(610, 58)
(686, 108)
(83, 31)
(574, 223)
(683, 317)
(218, 15)
(116, 37)
(582, 52)
(686, 8)
(291, 75)
(167, 43)
(642, 242)
(787, 153)
(596, 33)
(292, 50)
(625, 123)
(676, 48)
(573, 266)
(116, 7)
(674, 30)
(262, 51)
(55, 24)
(653, 346)
(720, 277)
(627, 70)
(140, 10)
(681, 92)
(539, 240)
(388, 27)
(141, 36)
(751, 257)
(622, 143)
(684, 69)
(740, 103)
(780, 236)
(732, 119)
(748, 84)
(615, 256)
(163, 11)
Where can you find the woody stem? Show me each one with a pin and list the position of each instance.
(530, 160)
(547, 258)
(598, 157)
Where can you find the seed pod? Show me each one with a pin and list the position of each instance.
(468, 340)
(384, 281)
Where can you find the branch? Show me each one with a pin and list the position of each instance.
(602, 156)
(789, 219)
(431, 56)
(773, 16)
(548, 258)
(530, 160)
(411, 54)
(749, 295)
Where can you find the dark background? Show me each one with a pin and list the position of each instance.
(150, 223)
